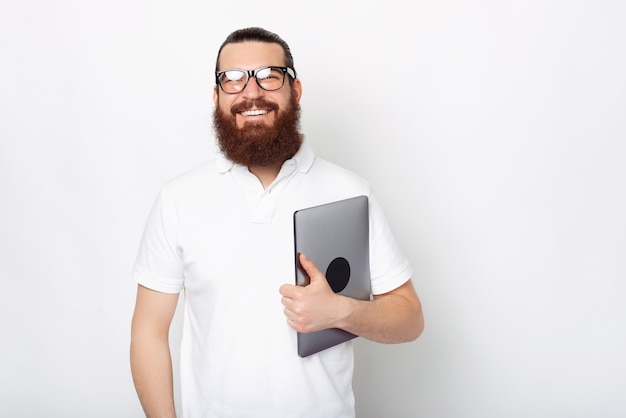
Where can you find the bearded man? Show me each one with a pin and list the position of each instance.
(222, 233)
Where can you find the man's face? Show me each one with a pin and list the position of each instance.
(255, 126)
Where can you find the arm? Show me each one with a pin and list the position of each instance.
(150, 358)
(393, 317)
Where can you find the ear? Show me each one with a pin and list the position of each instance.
(297, 88)
(215, 95)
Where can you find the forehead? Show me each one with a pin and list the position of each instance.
(251, 55)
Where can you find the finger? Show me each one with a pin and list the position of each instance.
(288, 290)
(287, 303)
(310, 268)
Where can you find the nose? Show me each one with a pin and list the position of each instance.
(252, 89)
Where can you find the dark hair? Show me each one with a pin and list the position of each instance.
(258, 35)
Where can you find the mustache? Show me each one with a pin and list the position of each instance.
(251, 104)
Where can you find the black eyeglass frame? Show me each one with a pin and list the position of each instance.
(253, 73)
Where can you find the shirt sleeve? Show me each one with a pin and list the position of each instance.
(389, 269)
(159, 265)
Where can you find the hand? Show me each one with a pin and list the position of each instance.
(313, 307)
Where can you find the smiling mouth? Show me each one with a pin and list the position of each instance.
(255, 112)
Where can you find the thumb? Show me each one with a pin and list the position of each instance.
(311, 269)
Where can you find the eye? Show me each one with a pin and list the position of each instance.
(264, 73)
(233, 75)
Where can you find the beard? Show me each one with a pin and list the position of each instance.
(257, 144)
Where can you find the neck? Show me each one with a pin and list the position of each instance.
(265, 174)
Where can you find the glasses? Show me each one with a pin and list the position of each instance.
(268, 78)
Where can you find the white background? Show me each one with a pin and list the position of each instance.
(493, 132)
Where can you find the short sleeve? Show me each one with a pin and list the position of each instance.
(159, 265)
(389, 269)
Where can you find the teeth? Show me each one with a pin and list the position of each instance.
(256, 112)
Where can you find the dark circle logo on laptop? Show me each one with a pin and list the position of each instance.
(338, 274)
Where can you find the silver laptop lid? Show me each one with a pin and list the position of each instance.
(335, 236)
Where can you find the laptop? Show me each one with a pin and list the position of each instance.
(335, 236)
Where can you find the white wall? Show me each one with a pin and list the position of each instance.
(493, 132)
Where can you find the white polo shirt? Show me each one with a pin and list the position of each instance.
(217, 235)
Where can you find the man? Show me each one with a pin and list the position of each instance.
(223, 234)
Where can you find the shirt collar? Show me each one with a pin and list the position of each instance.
(303, 159)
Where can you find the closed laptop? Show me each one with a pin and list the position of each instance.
(335, 236)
